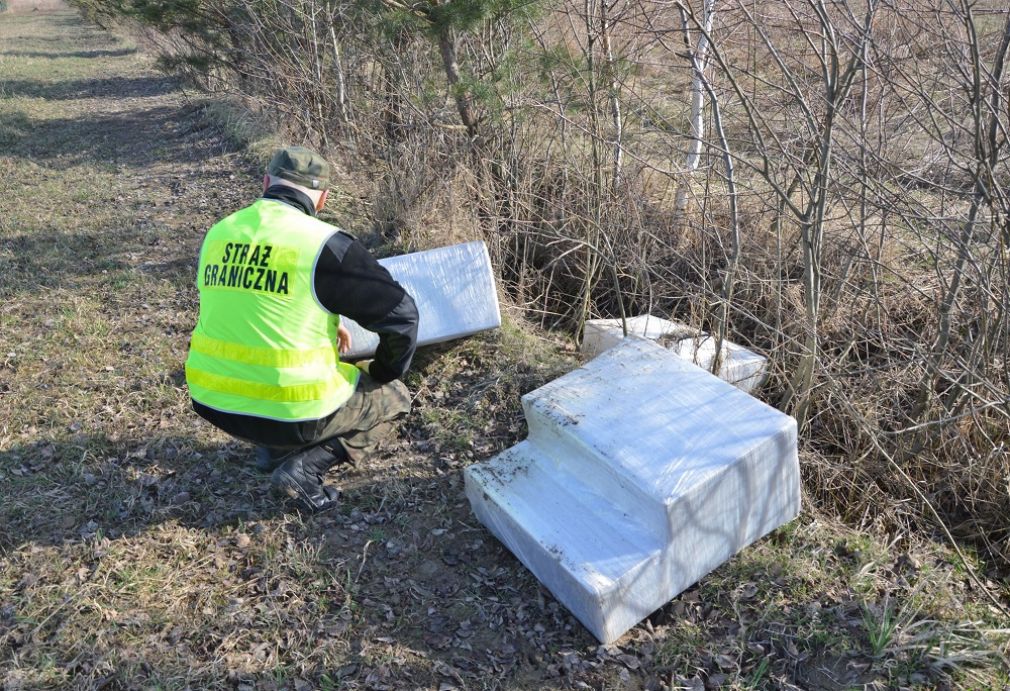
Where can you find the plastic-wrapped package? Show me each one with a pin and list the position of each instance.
(642, 472)
(742, 368)
(453, 288)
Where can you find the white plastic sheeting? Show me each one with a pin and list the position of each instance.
(603, 334)
(642, 472)
(743, 368)
(454, 290)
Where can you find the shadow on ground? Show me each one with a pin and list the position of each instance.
(108, 87)
(137, 138)
(32, 262)
(111, 53)
(67, 490)
(419, 590)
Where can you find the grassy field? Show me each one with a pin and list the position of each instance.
(139, 549)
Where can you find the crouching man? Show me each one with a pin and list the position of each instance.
(263, 360)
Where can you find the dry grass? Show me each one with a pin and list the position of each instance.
(138, 549)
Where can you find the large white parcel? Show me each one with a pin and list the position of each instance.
(453, 288)
(642, 472)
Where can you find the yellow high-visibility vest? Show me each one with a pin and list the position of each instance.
(263, 344)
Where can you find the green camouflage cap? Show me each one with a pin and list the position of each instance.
(301, 166)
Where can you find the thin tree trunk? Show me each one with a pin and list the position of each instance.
(462, 95)
(733, 259)
(699, 64)
(615, 100)
(984, 165)
(341, 86)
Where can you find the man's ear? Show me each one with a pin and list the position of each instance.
(322, 200)
(266, 182)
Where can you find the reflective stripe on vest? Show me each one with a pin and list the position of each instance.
(263, 345)
(265, 392)
(252, 355)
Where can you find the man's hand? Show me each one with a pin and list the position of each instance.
(363, 365)
(343, 339)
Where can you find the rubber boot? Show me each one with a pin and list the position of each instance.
(300, 477)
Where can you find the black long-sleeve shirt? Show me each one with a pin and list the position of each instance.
(347, 281)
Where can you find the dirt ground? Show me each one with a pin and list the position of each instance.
(140, 550)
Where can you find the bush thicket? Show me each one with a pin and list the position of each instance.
(848, 215)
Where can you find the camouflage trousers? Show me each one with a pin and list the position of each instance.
(367, 417)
